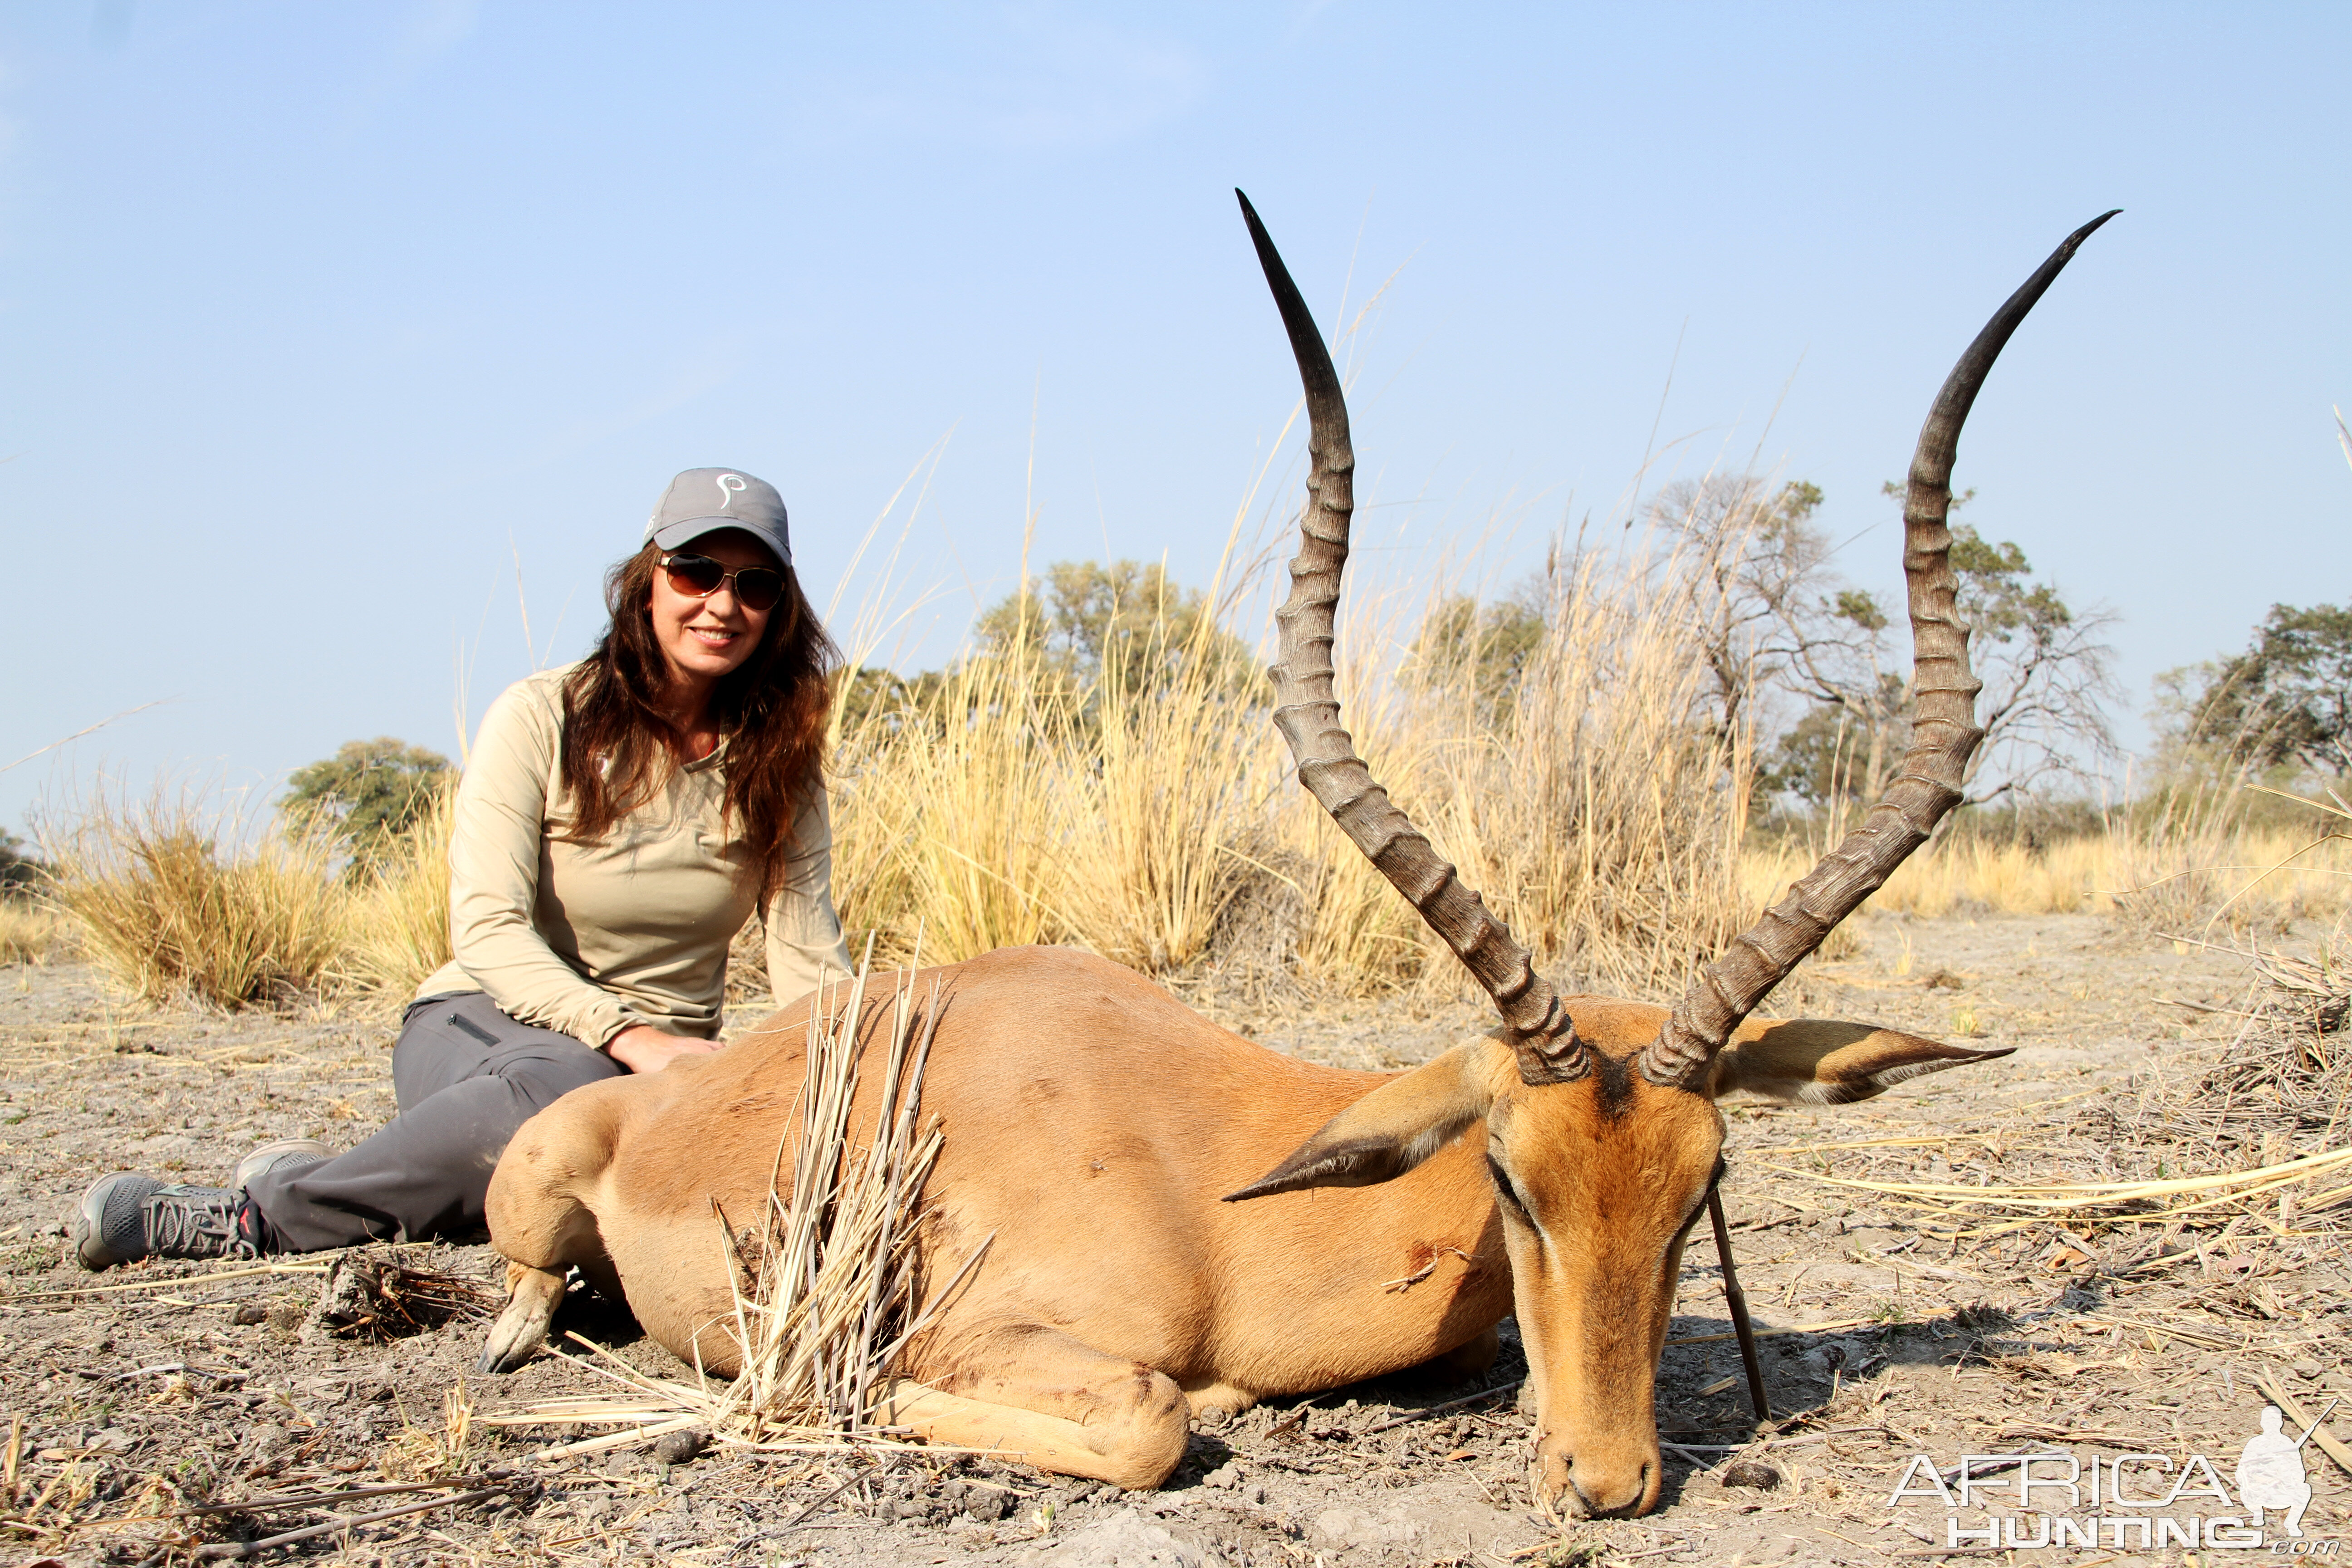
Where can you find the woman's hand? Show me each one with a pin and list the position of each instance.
(641, 1047)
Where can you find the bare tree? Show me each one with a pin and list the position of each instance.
(1776, 619)
(1752, 566)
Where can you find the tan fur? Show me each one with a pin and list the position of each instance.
(1093, 1126)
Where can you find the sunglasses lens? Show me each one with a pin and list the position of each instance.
(759, 587)
(696, 574)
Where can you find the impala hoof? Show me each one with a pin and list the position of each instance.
(495, 1359)
(521, 1329)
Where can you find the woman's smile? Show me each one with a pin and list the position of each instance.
(707, 637)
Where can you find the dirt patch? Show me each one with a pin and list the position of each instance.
(1898, 1325)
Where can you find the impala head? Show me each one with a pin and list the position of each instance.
(1601, 1125)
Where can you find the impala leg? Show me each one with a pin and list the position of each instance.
(531, 1297)
(1059, 1404)
(539, 1223)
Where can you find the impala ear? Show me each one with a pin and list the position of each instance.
(1820, 1061)
(1396, 1127)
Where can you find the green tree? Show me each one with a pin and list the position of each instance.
(1753, 569)
(877, 694)
(2047, 670)
(1116, 630)
(1483, 648)
(20, 872)
(1840, 749)
(368, 793)
(2286, 700)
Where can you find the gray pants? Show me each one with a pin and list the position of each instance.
(466, 1076)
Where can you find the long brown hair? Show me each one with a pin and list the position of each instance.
(619, 747)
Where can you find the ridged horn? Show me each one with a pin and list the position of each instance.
(1944, 734)
(1307, 712)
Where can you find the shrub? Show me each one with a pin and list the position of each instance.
(164, 896)
(367, 797)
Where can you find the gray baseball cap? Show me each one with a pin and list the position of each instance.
(703, 501)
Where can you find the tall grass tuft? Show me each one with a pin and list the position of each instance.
(30, 931)
(1593, 806)
(160, 895)
(947, 814)
(826, 1299)
(826, 1281)
(1148, 811)
(2169, 857)
(398, 929)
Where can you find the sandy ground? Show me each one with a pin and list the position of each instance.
(1898, 1329)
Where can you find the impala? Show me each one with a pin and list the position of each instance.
(1184, 1220)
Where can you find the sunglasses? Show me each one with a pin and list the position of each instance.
(757, 588)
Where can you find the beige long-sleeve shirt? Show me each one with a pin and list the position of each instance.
(589, 939)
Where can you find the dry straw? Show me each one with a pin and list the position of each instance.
(827, 1284)
(2143, 1200)
(1147, 812)
(30, 931)
(1128, 816)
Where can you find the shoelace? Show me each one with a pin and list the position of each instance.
(196, 1227)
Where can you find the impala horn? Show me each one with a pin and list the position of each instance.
(1538, 1029)
(1944, 736)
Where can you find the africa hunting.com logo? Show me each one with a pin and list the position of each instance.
(2129, 1502)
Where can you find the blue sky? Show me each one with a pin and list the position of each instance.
(319, 319)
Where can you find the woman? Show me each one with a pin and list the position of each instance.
(617, 822)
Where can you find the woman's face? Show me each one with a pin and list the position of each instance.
(704, 639)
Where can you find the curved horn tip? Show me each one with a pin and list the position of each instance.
(2074, 240)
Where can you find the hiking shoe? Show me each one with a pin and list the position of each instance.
(269, 1156)
(126, 1218)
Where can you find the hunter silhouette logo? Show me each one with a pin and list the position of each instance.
(2127, 1501)
(2271, 1473)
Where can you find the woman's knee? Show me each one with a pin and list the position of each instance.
(543, 1072)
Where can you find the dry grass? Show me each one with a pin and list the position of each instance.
(30, 931)
(1156, 822)
(1016, 812)
(2142, 1201)
(828, 1281)
(161, 898)
(396, 928)
(2167, 873)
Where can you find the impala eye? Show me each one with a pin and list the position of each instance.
(1503, 1185)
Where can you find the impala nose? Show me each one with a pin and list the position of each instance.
(1603, 1490)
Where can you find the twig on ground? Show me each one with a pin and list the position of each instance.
(1449, 1404)
(229, 1549)
(183, 1282)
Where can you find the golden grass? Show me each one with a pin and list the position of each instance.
(30, 931)
(2166, 876)
(1016, 812)
(163, 899)
(396, 927)
(1588, 802)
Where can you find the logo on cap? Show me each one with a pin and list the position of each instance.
(729, 487)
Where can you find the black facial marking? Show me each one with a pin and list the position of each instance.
(1615, 1088)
